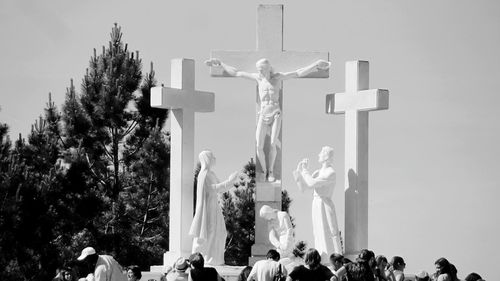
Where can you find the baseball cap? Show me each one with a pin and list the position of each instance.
(422, 274)
(86, 252)
(181, 264)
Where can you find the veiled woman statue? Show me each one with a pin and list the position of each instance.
(208, 227)
(324, 219)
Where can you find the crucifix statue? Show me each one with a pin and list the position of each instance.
(268, 66)
(269, 117)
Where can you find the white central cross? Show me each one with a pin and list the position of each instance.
(355, 103)
(269, 46)
(184, 101)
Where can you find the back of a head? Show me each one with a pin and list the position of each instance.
(136, 271)
(380, 259)
(365, 256)
(312, 258)
(197, 261)
(397, 262)
(444, 264)
(336, 258)
(473, 277)
(244, 273)
(273, 254)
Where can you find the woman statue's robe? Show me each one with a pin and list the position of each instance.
(208, 227)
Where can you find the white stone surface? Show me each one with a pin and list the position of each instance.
(269, 46)
(208, 228)
(355, 104)
(324, 218)
(281, 234)
(184, 101)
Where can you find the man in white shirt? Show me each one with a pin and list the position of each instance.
(266, 270)
(106, 267)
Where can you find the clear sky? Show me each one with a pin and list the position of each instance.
(433, 155)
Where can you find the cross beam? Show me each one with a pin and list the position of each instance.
(184, 101)
(355, 103)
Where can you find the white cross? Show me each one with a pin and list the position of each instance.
(355, 104)
(270, 46)
(184, 101)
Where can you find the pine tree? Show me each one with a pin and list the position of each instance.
(238, 208)
(107, 90)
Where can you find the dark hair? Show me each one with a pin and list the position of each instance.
(445, 266)
(397, 262)
(136, 271)
(299, 249)
(380, 259)
(244, 273)
(336, 257)
(273, 254)
(473, 277)
(453, 272)
(365, 256)
(197, 260)
(91, 259)
(312, 258)
(346, 261)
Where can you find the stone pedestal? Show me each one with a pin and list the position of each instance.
(266, 193)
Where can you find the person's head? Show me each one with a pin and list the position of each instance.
(244, 273)
(381, 262)
(197, 261)
(473, 277)
(366, 256)
(181, 265)
(207, 159)
(264, 66)
(88, 256)
(133, 273)
(273, 255)
(422, 276)
(336, 260)
(326, 155)
(268, 213)
(312, 258)
(442, 266)
(398, 263)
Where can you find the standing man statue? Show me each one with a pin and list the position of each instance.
(269, 117)
(324, 218)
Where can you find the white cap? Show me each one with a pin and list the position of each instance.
(86, 252)
(422, 274)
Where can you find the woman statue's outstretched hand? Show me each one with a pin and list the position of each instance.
(213, 62)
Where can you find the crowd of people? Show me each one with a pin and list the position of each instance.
(366, 267)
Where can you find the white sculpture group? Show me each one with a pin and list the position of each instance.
(206, 232)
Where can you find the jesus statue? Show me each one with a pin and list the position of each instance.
(269, 116)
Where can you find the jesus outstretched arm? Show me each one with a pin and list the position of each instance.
(231, 70)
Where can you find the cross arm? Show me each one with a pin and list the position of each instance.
(173, 98)
(281, 61)
(367, 100)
